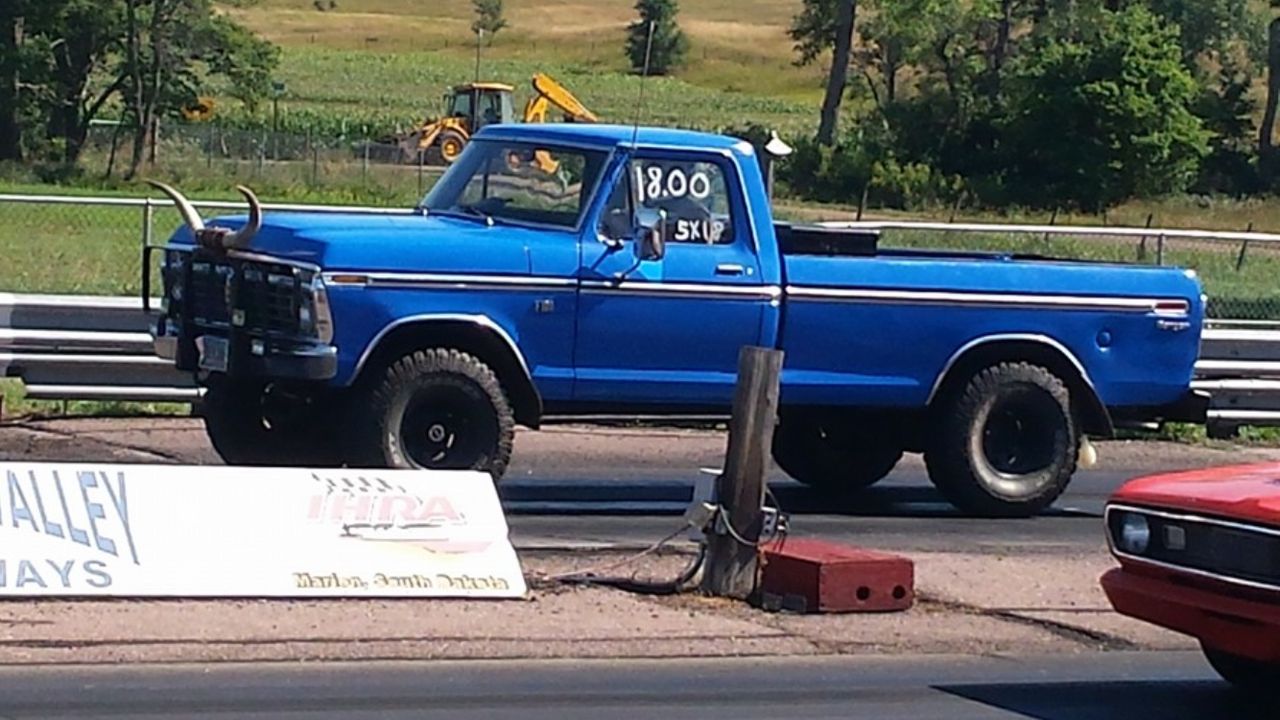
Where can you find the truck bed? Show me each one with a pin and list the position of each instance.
(819, 240)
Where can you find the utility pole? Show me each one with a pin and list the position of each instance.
(732, 553)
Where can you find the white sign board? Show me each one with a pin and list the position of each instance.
(78, 529)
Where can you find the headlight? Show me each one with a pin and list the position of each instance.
(313, 313)
(1134, 534)
(173, 272)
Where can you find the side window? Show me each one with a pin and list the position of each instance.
(461, 105)
(694, 194)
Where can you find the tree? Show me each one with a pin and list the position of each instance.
(1211, 26)
(1227, 112)
(669, 44)
(820, 25)
(895, 37)
(169, 46)
(84, 35)
(1101, 112)
(489, 17)
(13, 67)
(1266, 131)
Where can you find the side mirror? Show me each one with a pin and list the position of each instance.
(616, 226)
(651, 234)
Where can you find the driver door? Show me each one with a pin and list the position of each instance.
(668, 331)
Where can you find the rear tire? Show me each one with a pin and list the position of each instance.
(1251, 676)
(832, 453)
(262, 424)
(1004, 444)
(437, 408)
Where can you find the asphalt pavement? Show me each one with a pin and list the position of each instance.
(576, 485)
(1120, 686)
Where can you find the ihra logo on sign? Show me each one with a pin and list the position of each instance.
(363, 503)
(49, 509)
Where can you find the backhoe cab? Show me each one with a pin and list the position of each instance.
(471, 106)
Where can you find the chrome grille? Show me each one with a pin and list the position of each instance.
(1222, 548)
(264, 294)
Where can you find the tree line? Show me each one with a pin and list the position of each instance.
(1038, 103)
(63, 63)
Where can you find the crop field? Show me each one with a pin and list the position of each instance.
(383, 63)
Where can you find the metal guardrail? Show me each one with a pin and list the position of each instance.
(73, 347)
(69, 347)
(1079, 230)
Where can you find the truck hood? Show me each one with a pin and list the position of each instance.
(1241, 492)
(370, 242)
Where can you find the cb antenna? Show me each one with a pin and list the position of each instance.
(644, 72)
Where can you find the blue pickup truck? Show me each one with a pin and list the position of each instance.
(588, 269)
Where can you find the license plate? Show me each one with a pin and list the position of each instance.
(213, 353)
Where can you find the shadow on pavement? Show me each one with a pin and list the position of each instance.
(1167, 700)
(612, 497)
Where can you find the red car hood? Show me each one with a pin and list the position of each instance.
(1243, 492)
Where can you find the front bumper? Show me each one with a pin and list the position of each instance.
(1231, 623)
(249, 356)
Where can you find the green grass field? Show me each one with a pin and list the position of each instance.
(388, 62)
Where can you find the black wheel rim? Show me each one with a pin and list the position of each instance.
(443, 428)
(1022, 433)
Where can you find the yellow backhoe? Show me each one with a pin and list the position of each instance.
(472, 106)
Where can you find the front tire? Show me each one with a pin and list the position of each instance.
(1251, 676)
(436, 408)
(451, 144)
(263, 424)
(832, 453)
(1005, 443)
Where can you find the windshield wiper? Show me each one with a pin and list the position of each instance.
(463, 213)
(475, 211)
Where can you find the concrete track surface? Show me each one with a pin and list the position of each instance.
(1118, 686)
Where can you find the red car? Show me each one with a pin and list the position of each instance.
(1199, 553)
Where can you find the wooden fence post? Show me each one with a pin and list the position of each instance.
(1244, 248)
(732, 555)
(1142, 245)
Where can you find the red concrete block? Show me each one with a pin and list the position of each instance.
(818, 576)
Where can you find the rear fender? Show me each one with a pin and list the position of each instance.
(1041, 350)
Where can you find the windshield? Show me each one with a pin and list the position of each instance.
(518, 182)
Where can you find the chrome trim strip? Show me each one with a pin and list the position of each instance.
(483, 321)
(1009, 337)
(1031, 300)
(1183, 517)
(1106, 519)
(664, 289)
(455, 281)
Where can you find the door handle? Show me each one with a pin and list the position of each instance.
(729, 269)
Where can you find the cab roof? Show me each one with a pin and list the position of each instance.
(484, 86)
(610, 136)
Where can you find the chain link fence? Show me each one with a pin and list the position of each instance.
(354, 159)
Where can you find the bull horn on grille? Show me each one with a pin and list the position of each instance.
(189, 214)
(240, 238)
